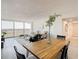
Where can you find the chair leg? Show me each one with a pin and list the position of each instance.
(67, 57)
(27, 53)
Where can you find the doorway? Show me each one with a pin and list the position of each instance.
(70, 27)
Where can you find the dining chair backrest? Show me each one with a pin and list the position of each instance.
(64, 52)
(19, 55)
(61, 37)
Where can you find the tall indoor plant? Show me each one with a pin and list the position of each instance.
(50, 23)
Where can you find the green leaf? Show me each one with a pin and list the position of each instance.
(52, 19)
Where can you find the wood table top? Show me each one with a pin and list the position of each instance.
(41, 49)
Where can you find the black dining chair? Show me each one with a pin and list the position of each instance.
(61, 36)
(19, 55)
(65, 52)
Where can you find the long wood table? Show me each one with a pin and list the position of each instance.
(41, 49)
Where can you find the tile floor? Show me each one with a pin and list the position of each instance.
(8, 51)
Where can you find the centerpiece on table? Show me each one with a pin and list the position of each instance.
(50, 23)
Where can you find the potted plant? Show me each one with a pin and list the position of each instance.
(4, 33)
(50, 23)
(2, 36)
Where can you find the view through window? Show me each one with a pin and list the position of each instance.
(13, 28)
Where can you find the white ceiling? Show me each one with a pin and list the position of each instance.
(37, 9)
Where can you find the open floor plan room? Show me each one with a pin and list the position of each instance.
(39, 29)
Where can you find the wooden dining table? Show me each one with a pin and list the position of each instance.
(42, 49)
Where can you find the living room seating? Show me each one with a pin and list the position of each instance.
(35, 38)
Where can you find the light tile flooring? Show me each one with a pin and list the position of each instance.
(8, 51)
(73, 48)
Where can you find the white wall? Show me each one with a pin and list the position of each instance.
(55, 29)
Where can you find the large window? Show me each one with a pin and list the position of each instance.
(27, 26)
(6, 24)
(18, 25)
(13, 28)
(18, 28)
